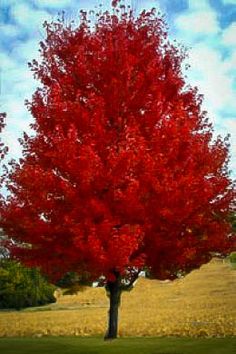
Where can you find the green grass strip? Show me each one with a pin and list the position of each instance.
(92, 345)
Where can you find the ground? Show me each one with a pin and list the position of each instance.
(201, 304)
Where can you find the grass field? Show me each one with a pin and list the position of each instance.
(201, 305)
(67, 345)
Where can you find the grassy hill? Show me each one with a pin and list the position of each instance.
(201, 304)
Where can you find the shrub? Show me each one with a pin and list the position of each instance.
(232, 257)
(74, 282)
(21, 287)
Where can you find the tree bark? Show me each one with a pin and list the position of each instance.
(114, 292)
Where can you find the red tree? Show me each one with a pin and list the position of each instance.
(122, 172)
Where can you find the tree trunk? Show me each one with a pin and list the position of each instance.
(114, 292)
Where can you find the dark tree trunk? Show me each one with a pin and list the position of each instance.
(114, 292)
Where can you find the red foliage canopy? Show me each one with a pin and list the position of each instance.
(122, 172)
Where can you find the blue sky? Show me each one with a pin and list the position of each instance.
(206, 27)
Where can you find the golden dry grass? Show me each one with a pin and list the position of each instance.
(201, 304)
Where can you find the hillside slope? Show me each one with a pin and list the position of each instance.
(201, 304)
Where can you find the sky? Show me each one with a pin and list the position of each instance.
(206, 27)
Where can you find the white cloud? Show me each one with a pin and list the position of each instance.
(18, 121)
(146, 4)
(17, 85)
(198, 22)
(6, 62)
(26, 51)
(229, 35)
(228, 125)
(9, 31)
(213, 69)
(29, 18)
(229, 2)
(17, 81)
(10, 138)
(230, 63)
(195, 5)
(9, 2)
(209, 73)
(17, 113)
(52, 3)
